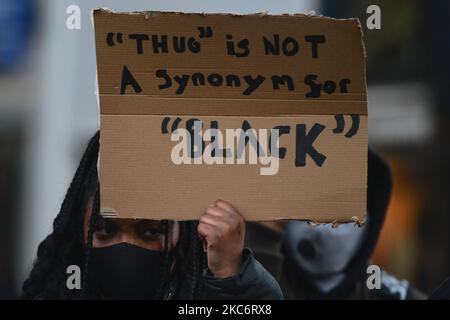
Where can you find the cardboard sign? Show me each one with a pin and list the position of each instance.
(266, 112)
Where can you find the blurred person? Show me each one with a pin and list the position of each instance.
(322, 262)
(144, 259)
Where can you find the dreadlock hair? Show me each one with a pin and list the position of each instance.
(64, 246)
(89, 242)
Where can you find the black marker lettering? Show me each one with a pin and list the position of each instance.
(290, 46)
(128, 79)
(315, 88)
(272, 48)
(160, 45)
(304, 145)
(139, 41)
(282, 80)
(253, 83)
(182, 83)
(281, 130)
(162, 73)
(315, 40)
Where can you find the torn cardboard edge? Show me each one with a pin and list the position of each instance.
(148, 13)
(110, 213)
(337, 223)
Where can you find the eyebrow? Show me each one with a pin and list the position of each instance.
(131, 222)
(148, 223)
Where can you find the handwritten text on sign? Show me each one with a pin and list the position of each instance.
(212, 146)
(192, 142)
(274, 46)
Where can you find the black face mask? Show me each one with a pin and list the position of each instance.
(126, 271)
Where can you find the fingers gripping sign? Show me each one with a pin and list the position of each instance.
(222, 229)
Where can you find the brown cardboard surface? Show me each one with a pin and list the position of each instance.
(138, 178)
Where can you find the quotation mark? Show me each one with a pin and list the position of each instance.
(110, 38)
(205, 32)
(340, 124)
(165, 123)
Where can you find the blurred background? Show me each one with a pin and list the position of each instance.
(48, 111)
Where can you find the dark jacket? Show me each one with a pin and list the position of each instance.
(442, 292)
(267, 244)
(253, 282)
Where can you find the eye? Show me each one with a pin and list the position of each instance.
(149, 231)
(105, 230)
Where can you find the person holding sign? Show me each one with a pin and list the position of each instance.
(144, 259)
